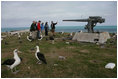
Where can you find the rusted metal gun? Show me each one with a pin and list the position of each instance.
(92, 21)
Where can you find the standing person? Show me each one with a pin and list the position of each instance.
(38, 29)
(33, 30)
(42, 27)
(53, 27)
(46, 28)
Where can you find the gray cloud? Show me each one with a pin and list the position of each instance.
(22, 13)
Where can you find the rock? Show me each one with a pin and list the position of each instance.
(62, 57)
(55, 64)
(67, 43)
(110, 65)
(28, 67)
(97, 43)
(52, 41)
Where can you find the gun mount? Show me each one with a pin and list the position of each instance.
(92, 21)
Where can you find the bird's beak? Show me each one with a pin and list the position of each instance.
(19, 52)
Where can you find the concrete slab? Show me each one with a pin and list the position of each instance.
(91, 37)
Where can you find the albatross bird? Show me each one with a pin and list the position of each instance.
(1, 39)
(41, 37)
(12, 63)
(19, 36)
(40, 57)
(29, 38)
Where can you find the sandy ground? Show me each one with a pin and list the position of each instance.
(15, 32)
(20, 31)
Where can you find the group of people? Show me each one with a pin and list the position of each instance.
(38, 28)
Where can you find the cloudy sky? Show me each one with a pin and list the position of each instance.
(22, 13)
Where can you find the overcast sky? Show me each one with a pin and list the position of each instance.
(22, 13)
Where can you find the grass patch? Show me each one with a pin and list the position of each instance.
(82, 60)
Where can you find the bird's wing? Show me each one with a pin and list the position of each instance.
(21, 59)
(29, 39)
(41, 57)
(8, 62)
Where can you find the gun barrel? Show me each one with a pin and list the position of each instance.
(78, 20)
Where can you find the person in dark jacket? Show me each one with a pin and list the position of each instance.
(53, 27)
(46, 28)
(33, 30)
(33, 26)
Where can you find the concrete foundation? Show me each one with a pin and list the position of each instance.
(91, 37)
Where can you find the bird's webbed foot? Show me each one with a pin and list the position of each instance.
(39, 62)
(14, 71)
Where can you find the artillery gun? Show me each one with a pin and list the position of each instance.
(92, 21)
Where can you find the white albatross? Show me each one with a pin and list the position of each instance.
(29, 38)
(12, 63)
(19, 36)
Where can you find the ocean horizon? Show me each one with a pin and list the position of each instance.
(110, 29)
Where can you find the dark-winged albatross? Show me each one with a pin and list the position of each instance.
(40, 56)
(12, 63)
